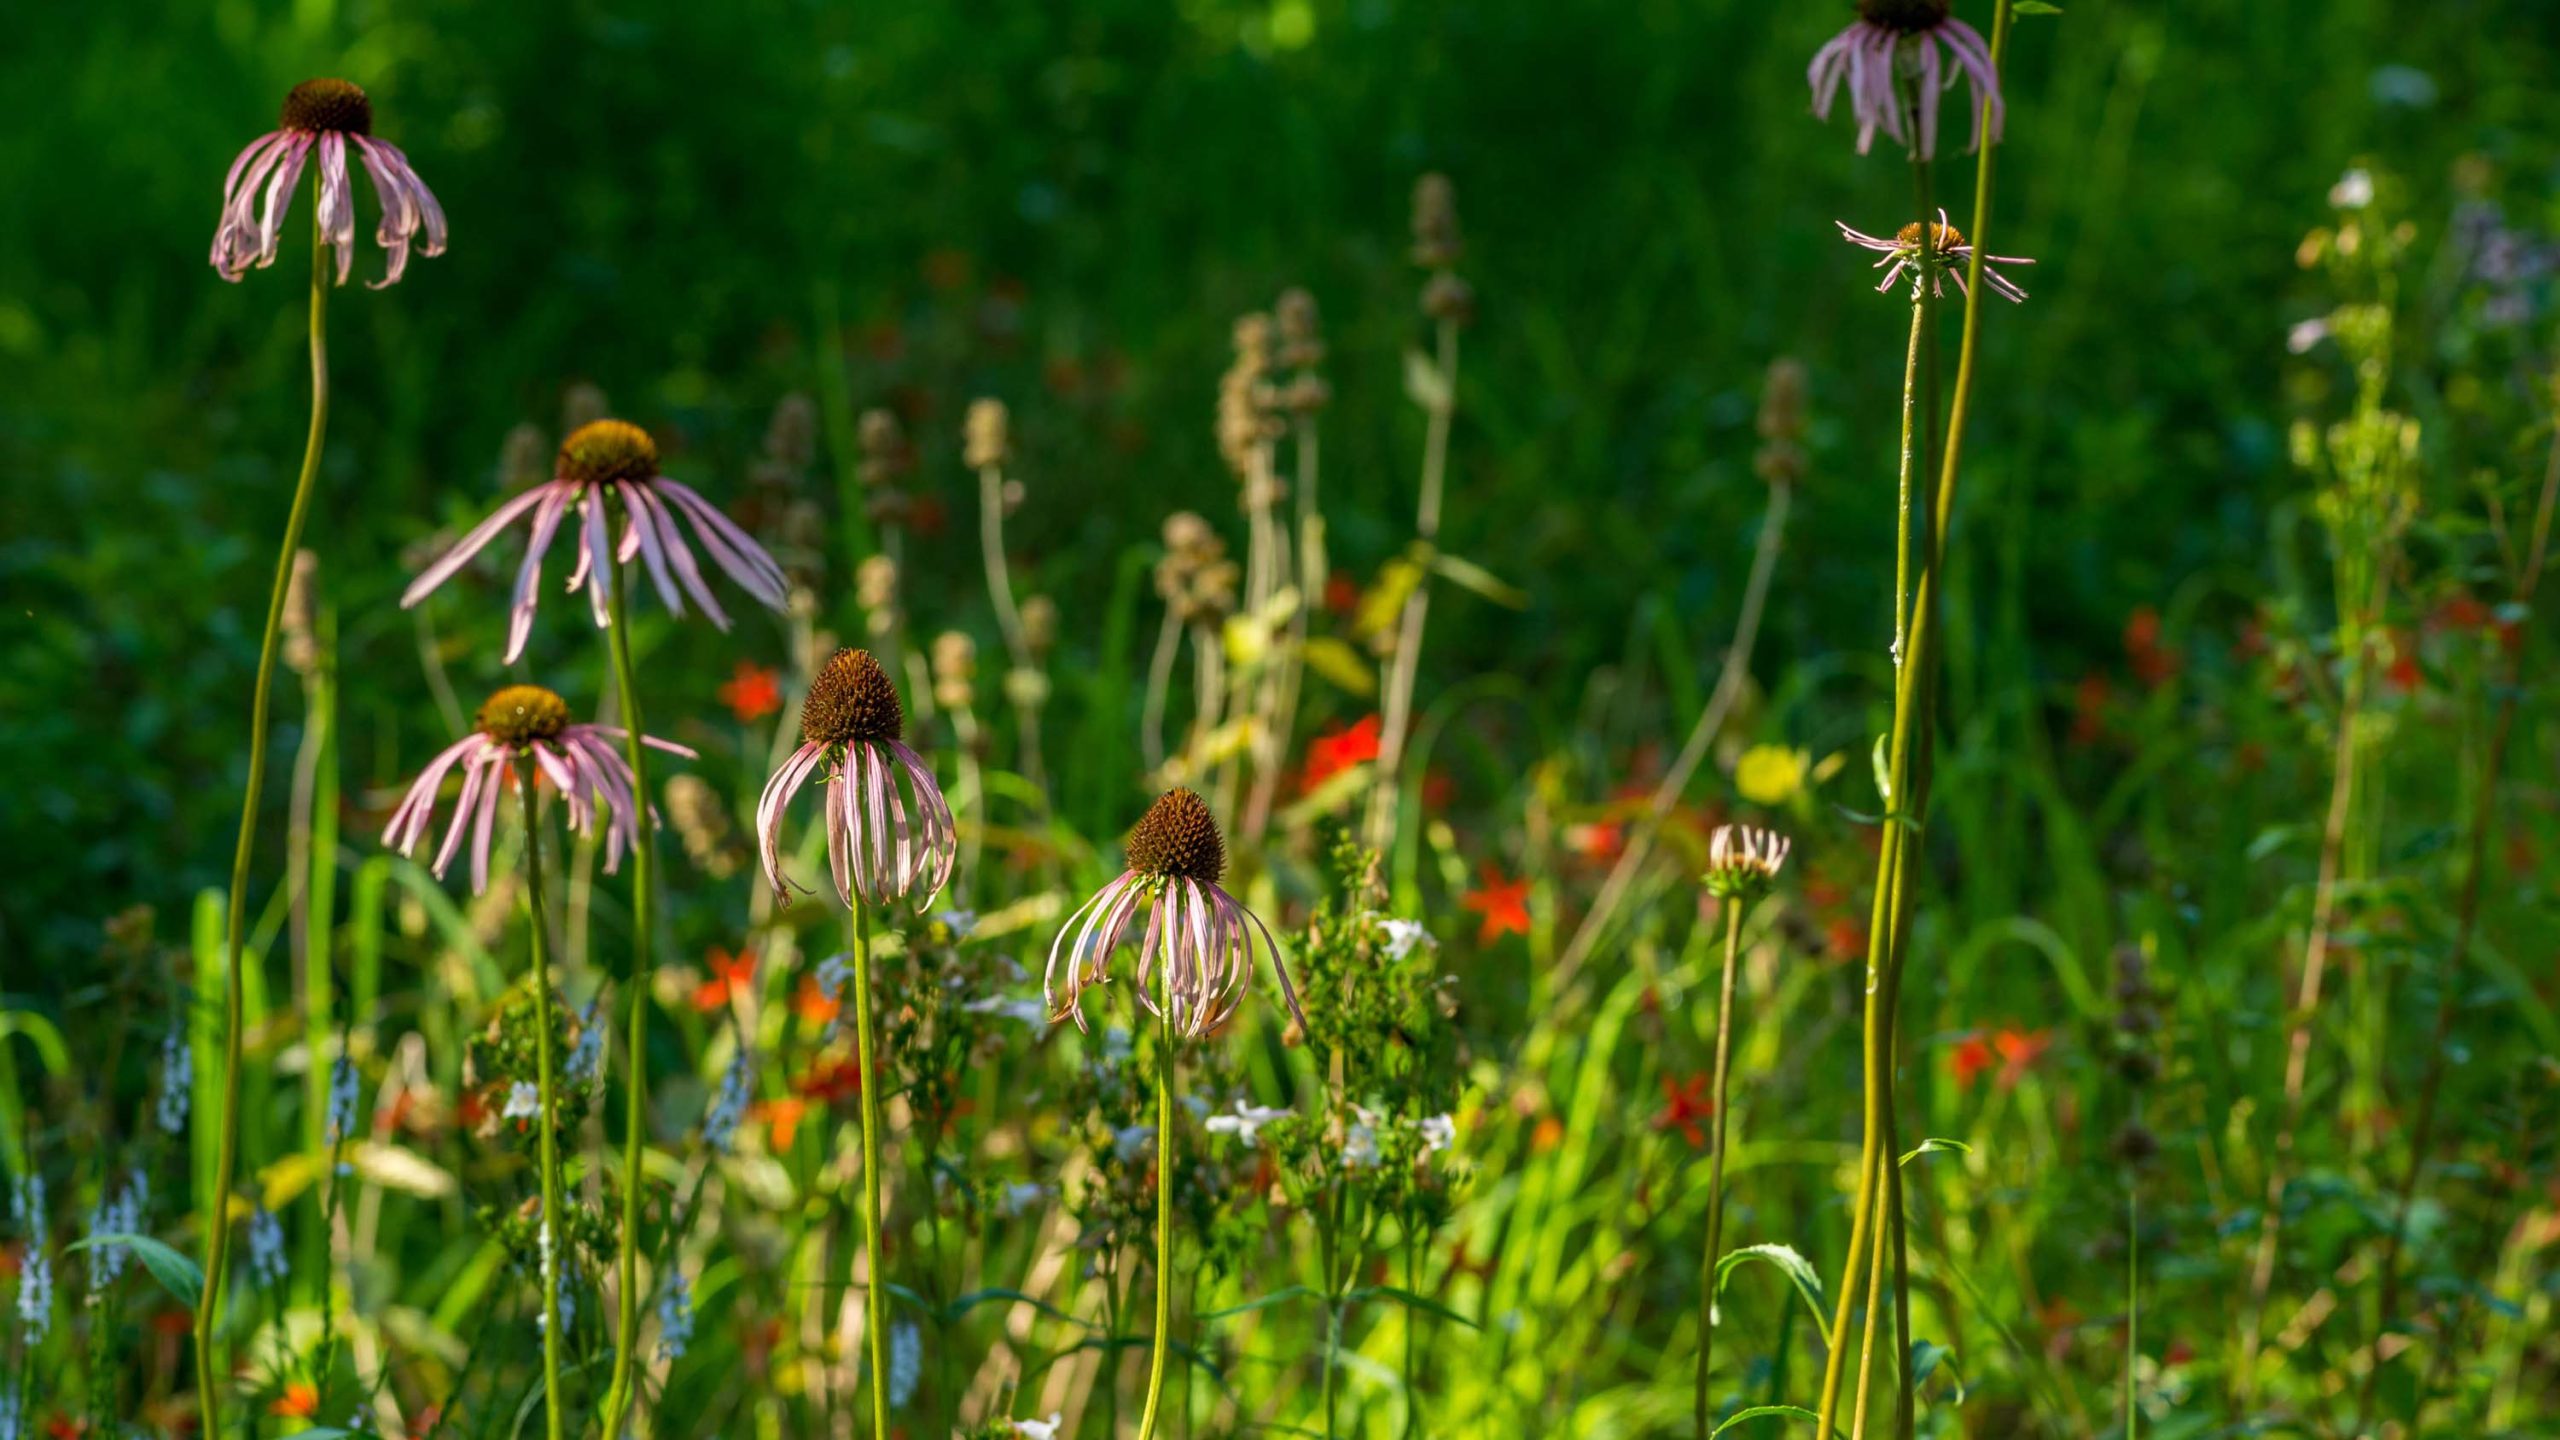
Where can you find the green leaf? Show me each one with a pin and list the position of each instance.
(1412, 1301)
(1423, 382)
(1884, 773)
(1794, 1266)
(1469, 575)
(2036, 7)
(1338, 662)
(176, 1273)
(962, 1305)
(1933, 1143)
(1762, 1412)
(1276, 1297)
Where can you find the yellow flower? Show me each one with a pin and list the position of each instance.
(1771, 774)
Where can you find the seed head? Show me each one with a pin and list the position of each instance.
(1435, 222)
(1744, 859)
(984, 434)
(323, 106)
(1301, 340)
(851, 701)
(1177, 837)
(1446, 297)
(1906, 16)
(884, 447)
(522, 714)
(1943, 238)
(602, 452)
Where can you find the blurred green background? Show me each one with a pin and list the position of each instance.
(1065, 206)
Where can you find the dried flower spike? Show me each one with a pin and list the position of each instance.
(327, 118)
(1198, 932)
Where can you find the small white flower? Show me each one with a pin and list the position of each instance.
(1040, 1429)
(721, 1125)
(1020, 1197)
(342, 1098)
(524, 1101)
(35, 1295)
(267, 1265)
(962, 923)
(2354, 190)
(675, 1318)
(1246, 1124)
(586, 1060)
(1130, 1143)
(906, 1363)
(1404, 935)
(1360, 1142)
(2305, 334)
(834, 973)
(1439, 1132)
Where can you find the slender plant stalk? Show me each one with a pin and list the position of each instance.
(635, 1100)
(1715, 1162)
(553, 1423)
(217, 1226)
(1017, 640)
(1693, 751)
(1159, 684)
(2132, 1293)
(1161, 1343)
(875, 1297)
(1417, 606)
(2466, 924)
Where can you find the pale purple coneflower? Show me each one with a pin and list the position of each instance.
(1950, 254)
(1742, 859)
(1197, 931)
(326, 118)
(618, 458)
(1892, 39)
(884, 842)
(520, 722)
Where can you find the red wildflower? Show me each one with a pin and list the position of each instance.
(1341, 592)
(816, 1008)
(2089, 709)
(1338, 750)
(730, 974)
(2018, 1050)
(2404, 675)
(751, 692)
(1846, 938)
(1684, 1104)
(1601, 840)
(781, 1119)
(1970, 1057)
(832, 1081)
(300, 1401)
(2154, 664)
(1504, 904)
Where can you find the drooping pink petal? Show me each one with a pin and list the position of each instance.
(471, 544)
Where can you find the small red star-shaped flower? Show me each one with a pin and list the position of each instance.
(831, 1081)
(730, 974)
(781, 1119)
(751, 692)
(300, 1401)
(1338, 750)
(816, 1008)
(1684, 1104)
(2018, 1050)
(1969, 1059)
(1504, 904)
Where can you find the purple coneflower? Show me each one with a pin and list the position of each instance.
(614, 457)
(1894, 38)
(1203, 938)
(882, 844)
(327, 117)
(521, 721)
(1950, 254)
(1744, 858)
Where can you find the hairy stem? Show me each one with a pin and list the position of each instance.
(1161, 1342)
(549, 1238)
(1715, 1162)
(635, 1100)
(217, 1225)
(875, 1298)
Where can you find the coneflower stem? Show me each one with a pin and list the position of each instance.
(875, 1293)
(548, 1239)
(635, 1100)
(217, 1225)
(1715, 1163)
(1161, 1342)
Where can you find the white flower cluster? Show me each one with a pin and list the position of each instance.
(524, 1101)
(586, 1059)
(1246, 1123)
(675, 1319)
(117, 1214)
(35, 1273)
(1360, 1141)
(906, 1362)
(267, 1264)
(721, 1125)
(342, 1098)
(1404, 935)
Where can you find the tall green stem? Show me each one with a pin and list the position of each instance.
(1161, 1343)
(635, 1103)
(1387, 792)
(1715, 1163)
(217, 1225)
(550, 1237)
(875, 1291)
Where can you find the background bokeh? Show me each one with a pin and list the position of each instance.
(1064, 206)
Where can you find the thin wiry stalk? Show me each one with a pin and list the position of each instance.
(2466, 924)
(1292, 658)
(626, 1330)
(1017, 640)
(1161, 1342)
(1715, 1164)
(1693, 751)
(1417, 606)
(875, 1297)
(209, 1367)
(551, 1236)
(1159, 684)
